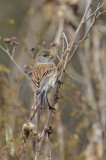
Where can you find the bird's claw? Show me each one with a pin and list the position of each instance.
(56, 97)
(60, 82)
(53, 109)
(50, 130)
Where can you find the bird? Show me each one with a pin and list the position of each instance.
(44, 76)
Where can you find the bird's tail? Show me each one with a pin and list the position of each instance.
(43, 99)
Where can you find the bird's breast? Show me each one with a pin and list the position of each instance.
(52, 80)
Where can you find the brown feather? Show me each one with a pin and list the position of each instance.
(40, 74)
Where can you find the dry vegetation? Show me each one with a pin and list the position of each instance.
(78, 129)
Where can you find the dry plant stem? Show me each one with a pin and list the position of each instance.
(102, 12)
(58, 56)
(81, 41)
(11, 57)
(98, 8)
(71, 43)
(45, 128)
(65, 40)
(34, 108)
(70, 75)
(86, 34)
(36, 121)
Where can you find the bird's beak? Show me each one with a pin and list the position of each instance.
(50, 56)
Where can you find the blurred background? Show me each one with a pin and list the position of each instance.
(79, 126)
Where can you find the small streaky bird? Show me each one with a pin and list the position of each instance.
(44, 75)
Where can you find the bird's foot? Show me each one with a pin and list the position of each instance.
(56, 97)
(60, 82)
(53, 109)
(50, 130)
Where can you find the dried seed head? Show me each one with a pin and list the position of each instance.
(13, 42)
(32, 49)
(7, 40)
(27, 129)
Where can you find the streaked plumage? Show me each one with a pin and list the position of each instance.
(44, 75)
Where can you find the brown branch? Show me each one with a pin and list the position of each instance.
(71, 43)
(34, 108)
(96, 16)
(83, 21)
(97, 9)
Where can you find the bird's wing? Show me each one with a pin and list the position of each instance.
(41, 74)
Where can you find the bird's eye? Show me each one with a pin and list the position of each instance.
(44, 55)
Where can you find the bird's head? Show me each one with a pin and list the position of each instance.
(44, 56)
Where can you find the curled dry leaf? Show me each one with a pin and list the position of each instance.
(27, 129)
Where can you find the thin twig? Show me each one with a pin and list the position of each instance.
(13, 51)
(66, 40)
(102, 12)
(97, 9)
(70, 75)
(58, 56)
(7, 52)
(86, 35)
(71, 43)
(34, 108)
